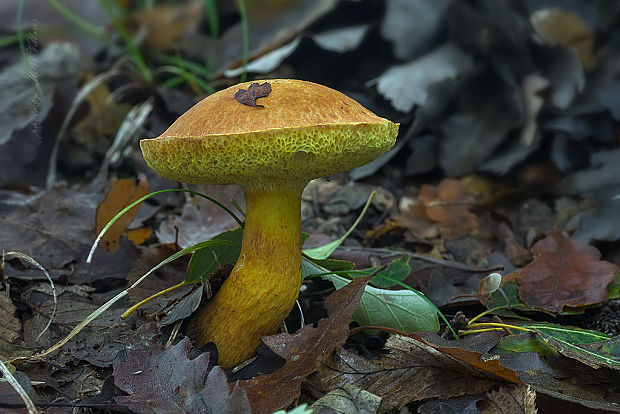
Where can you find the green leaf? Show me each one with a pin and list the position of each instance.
(309, 269)
(497, 300)
(570, 311)
(498, 305)
(399, 309)
(203, 263)
(335, 265)
(324, 251)
(525, 342)
(399, 269)
(613, 289)
(567, 334)
(589, 347)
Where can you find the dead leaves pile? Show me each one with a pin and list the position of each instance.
(479, 371)
(544, 83)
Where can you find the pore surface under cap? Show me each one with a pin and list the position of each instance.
(303, 131)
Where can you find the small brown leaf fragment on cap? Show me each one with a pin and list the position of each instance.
(248, 97)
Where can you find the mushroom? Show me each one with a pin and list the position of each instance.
(271, 137)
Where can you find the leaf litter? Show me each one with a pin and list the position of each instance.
(167, 380)
(510, 152)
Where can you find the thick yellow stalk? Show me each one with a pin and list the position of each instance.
(263, 286)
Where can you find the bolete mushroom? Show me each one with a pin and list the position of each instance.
(271, 137)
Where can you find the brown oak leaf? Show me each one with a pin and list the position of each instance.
(565, 272)
(249, 96)
(167, 381)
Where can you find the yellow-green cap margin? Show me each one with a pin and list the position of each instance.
(303, 131)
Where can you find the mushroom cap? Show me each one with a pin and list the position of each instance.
(302, 131)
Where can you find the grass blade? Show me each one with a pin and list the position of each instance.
(138, 201)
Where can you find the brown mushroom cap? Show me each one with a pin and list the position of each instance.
(303, 131)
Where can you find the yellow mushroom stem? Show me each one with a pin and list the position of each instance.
(263, 286)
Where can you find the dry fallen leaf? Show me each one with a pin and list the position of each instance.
(449, 204)
(563, 273)
(347, 399)
(166, 23)
(473, 352)
(10, 328)
(256, 90)
(570, 384)
(518, 399)
(166, 380)
(105, 116)
(97, 343)
(55, 227)
(556, 26)
(437, 374)
(201, 219)
(304, 350)
(122, 193)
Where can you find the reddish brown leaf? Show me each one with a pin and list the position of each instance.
(303, 351)
(471, 352)
(563, 273)
(249, 96)
(121, 193)
(167, 381)
(449, 204)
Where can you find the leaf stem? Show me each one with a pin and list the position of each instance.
(498, 325)
(132, 309)
(475, 331)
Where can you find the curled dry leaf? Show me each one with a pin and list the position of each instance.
(565, 273)
(249, 96)
(417, 82)
(473, 352)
